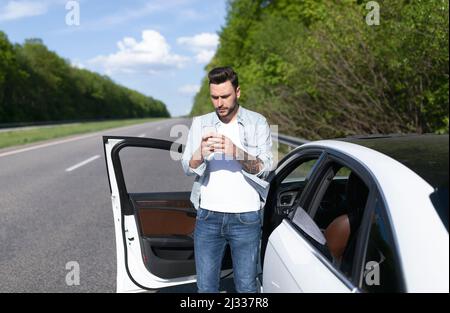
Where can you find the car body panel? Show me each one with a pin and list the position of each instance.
(299, 269)
(407, 197)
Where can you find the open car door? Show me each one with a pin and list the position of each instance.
(153, 224)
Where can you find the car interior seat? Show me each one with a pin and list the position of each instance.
(341, 232)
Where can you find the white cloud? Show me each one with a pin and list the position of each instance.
(149, 55)
(19, 9)
(200, 41)
(189, 89)
(205, 56)
(204, 45)
(77, 64)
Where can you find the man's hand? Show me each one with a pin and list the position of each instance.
(223, 144)
(206, 145)
(205, 149)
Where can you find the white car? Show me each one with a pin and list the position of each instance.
(365, 214)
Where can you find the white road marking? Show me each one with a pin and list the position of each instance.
(70, 169)
(141, 135)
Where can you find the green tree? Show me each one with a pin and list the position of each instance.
(318, 70)
(38, 85)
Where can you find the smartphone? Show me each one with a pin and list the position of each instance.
(208, 130)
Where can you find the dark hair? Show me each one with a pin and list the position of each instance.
(219, 75)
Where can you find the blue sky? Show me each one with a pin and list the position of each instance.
(158, 47)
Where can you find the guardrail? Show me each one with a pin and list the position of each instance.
(292, 142)
(289, 140)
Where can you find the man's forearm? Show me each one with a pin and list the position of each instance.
(249, 163)
(196, 159)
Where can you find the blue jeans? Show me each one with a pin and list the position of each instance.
(213, 230)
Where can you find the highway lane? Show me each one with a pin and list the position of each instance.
(54, 209)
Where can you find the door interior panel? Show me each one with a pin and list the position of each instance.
(165, 220)
(171, 260)
(166, 225)
(158, 222)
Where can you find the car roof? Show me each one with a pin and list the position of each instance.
(426, 155)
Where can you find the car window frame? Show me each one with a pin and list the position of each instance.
(294, 161)
(330, 157)
(290, 162)
(379, 199)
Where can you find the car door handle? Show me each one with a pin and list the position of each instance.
(286, 199)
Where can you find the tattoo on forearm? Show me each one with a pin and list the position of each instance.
(249, 163)
(251, 166)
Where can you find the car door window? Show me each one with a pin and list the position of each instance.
(301, 172)
(337, 210)
(381, 272)
(151, 170)
(332, 203)
(292, 185)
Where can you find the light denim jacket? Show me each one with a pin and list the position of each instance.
(255, 136)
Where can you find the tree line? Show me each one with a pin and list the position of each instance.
(319, 70)
(38, 85)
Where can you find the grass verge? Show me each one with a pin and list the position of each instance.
(35, 134)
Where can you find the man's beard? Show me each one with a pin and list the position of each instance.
(229, 112)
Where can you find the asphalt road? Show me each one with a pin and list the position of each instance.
(55, 208)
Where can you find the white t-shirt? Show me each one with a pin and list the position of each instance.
(227, 190)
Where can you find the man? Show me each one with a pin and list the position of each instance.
(229, 151)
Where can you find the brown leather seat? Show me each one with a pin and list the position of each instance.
(337, 235)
